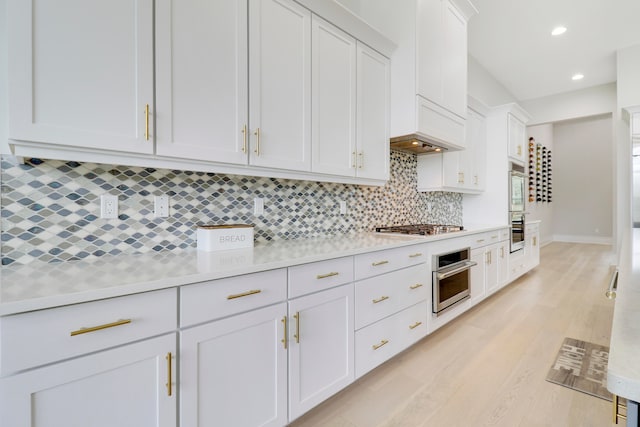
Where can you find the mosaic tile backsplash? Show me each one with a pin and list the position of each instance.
(51, 209)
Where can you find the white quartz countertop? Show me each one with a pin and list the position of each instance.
(623, 372)
(38, 286)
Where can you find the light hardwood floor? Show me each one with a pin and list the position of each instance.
(488, 366)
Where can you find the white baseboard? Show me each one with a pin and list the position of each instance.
(582, 239)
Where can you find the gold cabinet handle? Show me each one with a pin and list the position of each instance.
(382, 298)
(285, 339)
(244, 294)
(377, 263)
(257, 134)
(415, 325)
(416, 255)
(354, 161)
(475, 179)
(616, 409)
(502, 252)
(383, 342)
(169, 375)
(460, 177)
(361, 155)
(495, 236)
(297, 334)
(416, 286)
(244, 139)
(324, 276)
(519, 150)
(146, 122)
(535, 241)
(480, 240)
(100, 327)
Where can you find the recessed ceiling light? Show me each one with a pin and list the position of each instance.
(558, 30)
(577, 76)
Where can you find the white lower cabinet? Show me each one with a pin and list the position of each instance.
(129, 386)
(321, 336)
(477, 277)
(234, 371)
(491, 272)
(382, 340)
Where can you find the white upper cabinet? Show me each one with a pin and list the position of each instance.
(202, 80)
(280, 84)
(350, 98)
(429, 67)
(232, 89)
(517, 138)
(373, 114)
(461, 171)
(334, 99)
(442, 55)
(62, 93)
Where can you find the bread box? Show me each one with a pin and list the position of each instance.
(212, 238)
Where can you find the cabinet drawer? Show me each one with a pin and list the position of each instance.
(202, 302)
(308, 278)
(40, 337)
(379, 262)
(531, 228)
(383, 295)
(483, 239)
(379, 342)
(505, 234)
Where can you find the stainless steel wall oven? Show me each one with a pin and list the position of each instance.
(451, 279)
(517, 206)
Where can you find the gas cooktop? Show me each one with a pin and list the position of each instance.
(423, 229)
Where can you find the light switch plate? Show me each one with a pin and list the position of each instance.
(258, 206)
(161, 206)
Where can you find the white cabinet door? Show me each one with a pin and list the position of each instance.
(334, 100)
(492, 260)
(81, 73)
(454, 60)
(373, 114)
(201, 79)
(280, 84)
(478, 275)
(503, 263)
(516, 138)
(429, 27)
(233, 371)
(477, 135)
(321, 347)
(125, 386)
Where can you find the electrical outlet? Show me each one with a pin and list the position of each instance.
(161, 206)
(108, 206)
(343, 207)
(258, 206)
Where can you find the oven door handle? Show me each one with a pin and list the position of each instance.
(467, 265)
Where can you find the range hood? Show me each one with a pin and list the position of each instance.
(416, 143)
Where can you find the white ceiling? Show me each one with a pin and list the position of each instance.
(512, 40)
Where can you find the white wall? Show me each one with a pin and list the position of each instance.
(628, 95)
(484, 87)
(583, 180)
(543, 134)
(587, 102)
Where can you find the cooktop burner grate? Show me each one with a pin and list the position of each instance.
(423, 229)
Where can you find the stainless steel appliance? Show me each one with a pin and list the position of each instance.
(451, 279)
(517, 180)
(423, 229)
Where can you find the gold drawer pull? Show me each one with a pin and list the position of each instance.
(415, 325)
(416, 255)
(494, 237)
(383, 342)
(285, 339)
(324, 276)
(244, 294)
(382, 298)
(169, 376)
(375, 264)
(297, 334)
(480, 240)
(616, 410)
(416, 286)
(100, 327)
